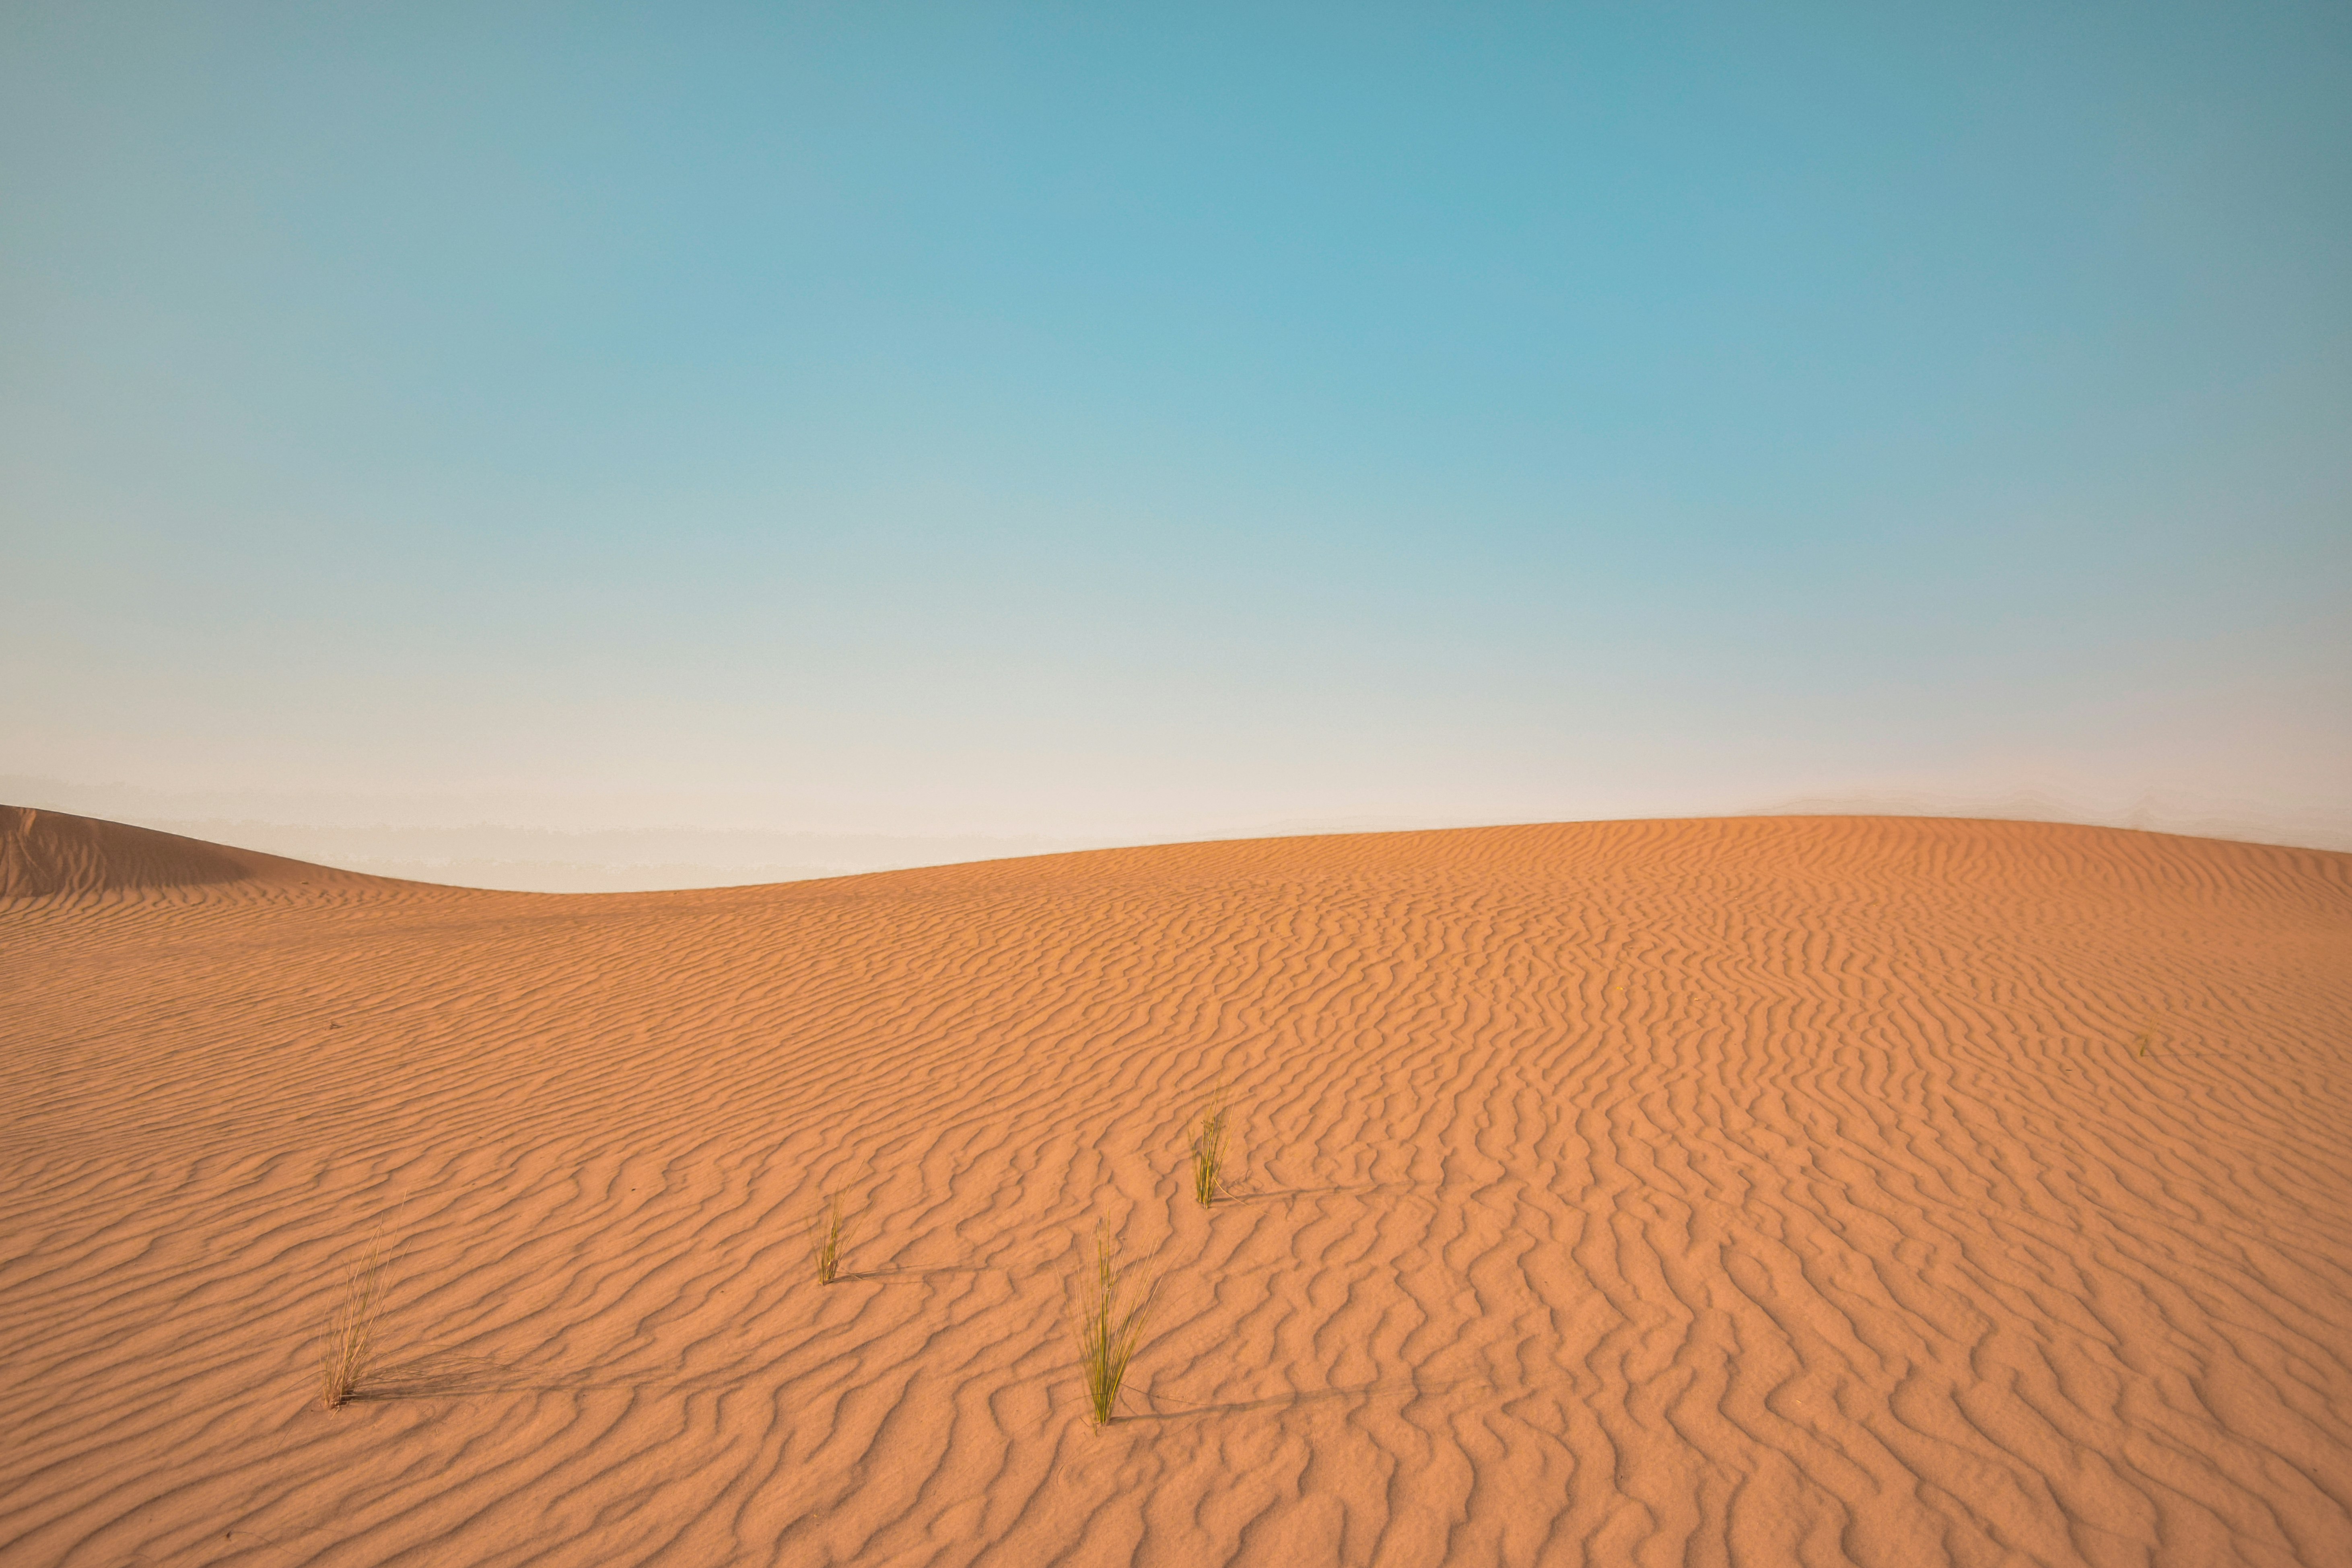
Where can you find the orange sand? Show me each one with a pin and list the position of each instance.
(1761, 1191)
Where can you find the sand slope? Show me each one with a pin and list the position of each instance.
(43, 853)
(1761, 1191)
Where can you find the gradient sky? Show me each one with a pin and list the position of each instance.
(1125, 419)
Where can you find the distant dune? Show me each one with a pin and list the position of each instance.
(1776, 1190)
(481, 841)
(43, 853)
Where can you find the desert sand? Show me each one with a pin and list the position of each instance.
(1754, 1191)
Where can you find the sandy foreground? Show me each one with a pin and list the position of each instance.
(1756, 1191)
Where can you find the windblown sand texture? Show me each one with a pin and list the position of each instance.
(1759, 1191)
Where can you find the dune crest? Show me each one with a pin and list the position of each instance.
(44, 854)
(1785, 1190)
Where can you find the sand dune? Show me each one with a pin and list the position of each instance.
(1757, 1191)
(45, 853)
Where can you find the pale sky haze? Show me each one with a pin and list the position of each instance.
(1076, 424)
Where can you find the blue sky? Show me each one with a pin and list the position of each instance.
(1106, 419)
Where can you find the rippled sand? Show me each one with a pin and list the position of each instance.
(1761, 1191)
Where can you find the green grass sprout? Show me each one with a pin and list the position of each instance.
(831, 1233)
(350, 1333)
(1209, 1151)
(1109, 1330)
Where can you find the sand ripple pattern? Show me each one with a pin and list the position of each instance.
(1771, 1191)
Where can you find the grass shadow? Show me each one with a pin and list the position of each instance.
(881, 1276)
(1283, 1194)
(1239, 1196)
(453, 1376)
(1303, 1396)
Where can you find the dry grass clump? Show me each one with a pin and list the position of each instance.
(350, 1333)
(831, 1233)
(1110, 1330)
(1209, 1151)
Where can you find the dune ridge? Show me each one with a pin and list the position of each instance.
(1800, 1190)
(45, 853)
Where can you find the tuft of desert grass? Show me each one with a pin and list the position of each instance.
(1209, 1151)
(1110, 1330)
(350, 1333)
(832, 1234)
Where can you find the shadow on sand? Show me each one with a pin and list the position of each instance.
(937, 1271)
(1236, 1196)
(1412, 1387)
(467, 1376)
(453, 1376)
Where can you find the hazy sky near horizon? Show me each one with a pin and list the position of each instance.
(1019, 418)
